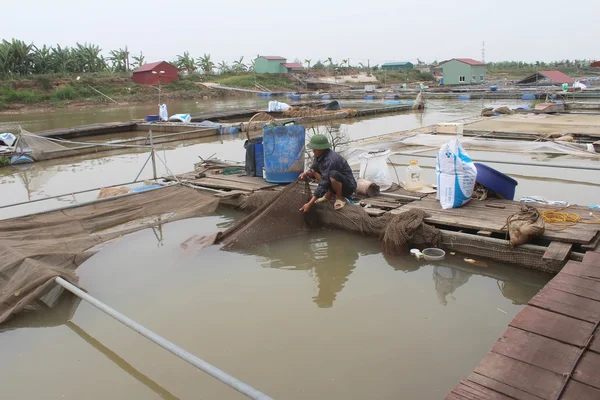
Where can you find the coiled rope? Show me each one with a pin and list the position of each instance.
(565, 219)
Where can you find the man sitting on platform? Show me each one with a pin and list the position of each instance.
(332, 172)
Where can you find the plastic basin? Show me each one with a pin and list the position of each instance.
(500, 183)
(432, 254)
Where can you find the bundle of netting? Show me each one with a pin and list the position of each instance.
(276, 215)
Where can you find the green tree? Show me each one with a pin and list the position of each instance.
(307, 61)
(206, 64)
(223, 67)
(42, 60)
(61, 59)
(239, 66)
(138, 61)
(119, 59)
(186, 62)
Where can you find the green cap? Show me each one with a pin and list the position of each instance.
(319, 142)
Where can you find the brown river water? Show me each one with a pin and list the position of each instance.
(320, 316)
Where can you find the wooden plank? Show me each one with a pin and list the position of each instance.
(583, 269)
(216, 183)
(500, 387)
(477, 215)
(522, 376)
(595, 345)
(388, 205)
(557, 251)
(592, 258)
(588, 288)
(587, 370)
(375, 212)
(579, 391)
(552, 325)
(536, 350)
(484, 233)
(567, 304)
(467, 390)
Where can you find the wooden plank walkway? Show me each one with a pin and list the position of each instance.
(551, 349)
(491, 215)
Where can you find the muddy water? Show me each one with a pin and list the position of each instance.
(321, 316)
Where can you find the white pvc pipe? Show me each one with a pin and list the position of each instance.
(165, 344)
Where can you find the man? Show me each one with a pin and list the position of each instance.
(331, 171)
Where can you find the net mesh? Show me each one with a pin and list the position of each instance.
(277, 215)
(35, 249)
(35, 146)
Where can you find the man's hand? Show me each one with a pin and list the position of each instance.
(306, 208)
(305, 175)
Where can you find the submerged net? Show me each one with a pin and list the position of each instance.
(277, 216)
(35, 146)
(37, 248)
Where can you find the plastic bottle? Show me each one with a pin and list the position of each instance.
(413, 176)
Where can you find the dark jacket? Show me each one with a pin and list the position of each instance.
(328, 162)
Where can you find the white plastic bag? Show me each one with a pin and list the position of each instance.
(162, 113)
(276, 106)
(185, 118)
(456, 175)
(373, 167)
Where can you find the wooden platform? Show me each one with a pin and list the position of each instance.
(476, 229)
(491, 215)
(90, 130)
(551, 349)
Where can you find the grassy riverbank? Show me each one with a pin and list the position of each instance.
(50, 91)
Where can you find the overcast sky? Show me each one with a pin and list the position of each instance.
(382, 30)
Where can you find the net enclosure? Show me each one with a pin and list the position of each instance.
(37, 248)
(276, 215)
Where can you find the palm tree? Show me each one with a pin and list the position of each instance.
(87, 58)
(186, 62)
(223, 67)
(206, 64)
(42, 62)
(138, 61)
(307, 61)
(119, 59)
(61, 59)
(239, 66)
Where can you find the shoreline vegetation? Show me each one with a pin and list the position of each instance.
(33, 77)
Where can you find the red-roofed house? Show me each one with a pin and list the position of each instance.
(274, 65)
(546, 78)
(153, 73)
(463, 71)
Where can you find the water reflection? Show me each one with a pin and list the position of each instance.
(329, 260)
(447, 280)
(331, 257)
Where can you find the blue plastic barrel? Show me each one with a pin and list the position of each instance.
(392, 102)
(152, 118)
(295, 97)
(326, 97)
(369, 97)
(494, 88)
(441, 81)
(528, 96)
(283, 148)
(259, 156)
(464, 97)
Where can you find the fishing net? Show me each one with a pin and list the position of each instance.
(35, 146)
(35, 249)
(276, 215)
